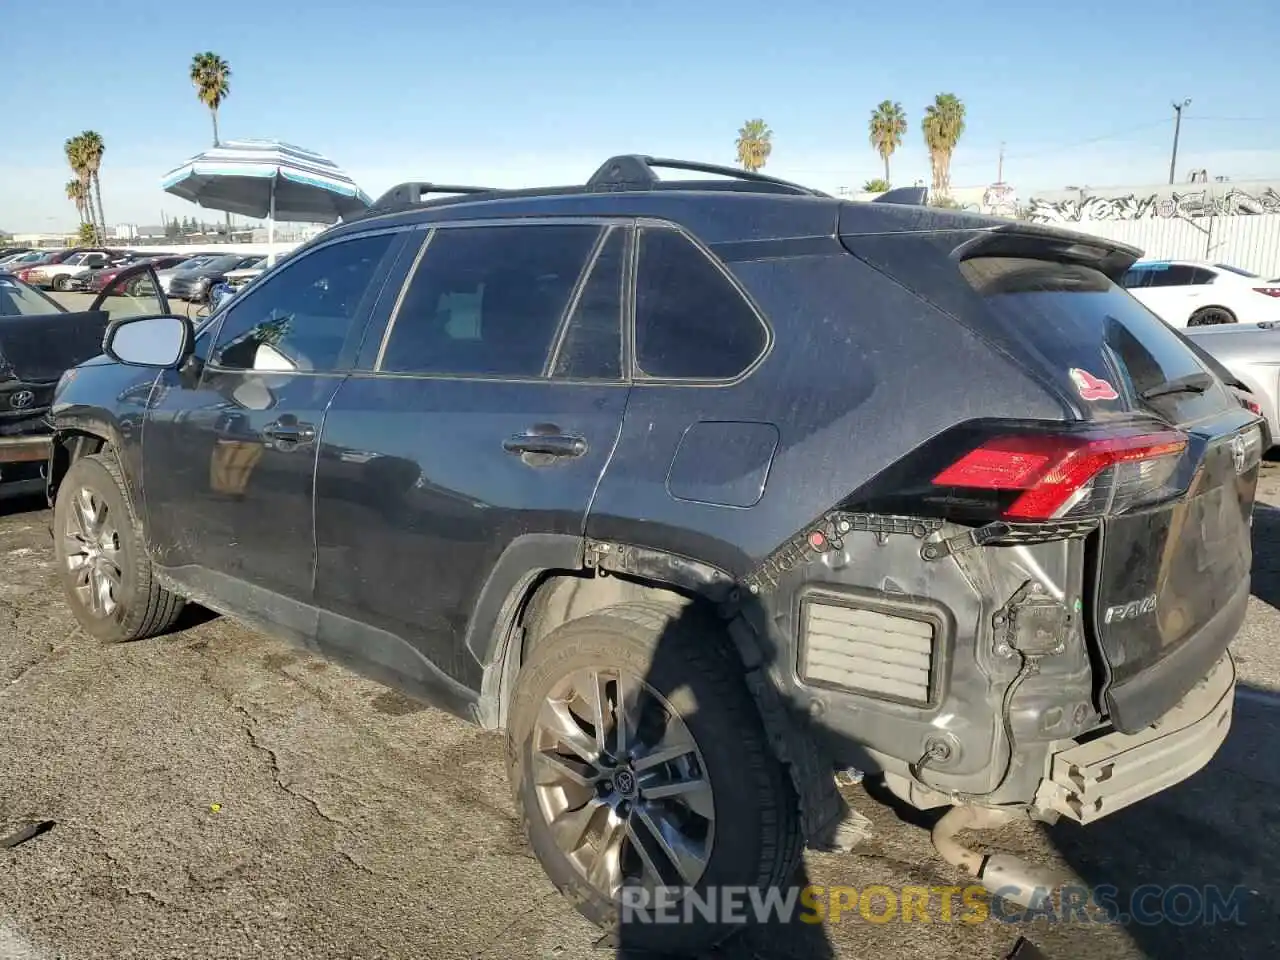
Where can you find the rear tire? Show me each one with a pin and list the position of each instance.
(1211, 316)
(682, 690)
(102, 561)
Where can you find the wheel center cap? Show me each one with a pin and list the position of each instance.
(624, 782)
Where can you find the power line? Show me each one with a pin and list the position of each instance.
(1198, 119)
(1113, 135)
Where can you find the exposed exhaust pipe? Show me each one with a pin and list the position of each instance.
(1009, 877)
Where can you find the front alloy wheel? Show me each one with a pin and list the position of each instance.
(92, 552)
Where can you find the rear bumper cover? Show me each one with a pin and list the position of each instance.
(1087, 781)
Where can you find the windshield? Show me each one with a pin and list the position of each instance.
(19, 300)
(192, 264)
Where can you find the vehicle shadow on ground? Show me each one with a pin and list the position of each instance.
(1266, 554)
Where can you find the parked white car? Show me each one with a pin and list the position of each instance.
(57, 276)
(1193, 293)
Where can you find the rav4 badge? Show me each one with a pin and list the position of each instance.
(1090, 387)
(1131, 610)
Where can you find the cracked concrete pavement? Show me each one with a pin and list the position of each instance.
(218, 793)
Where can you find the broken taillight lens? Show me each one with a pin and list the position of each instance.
(1058, 476)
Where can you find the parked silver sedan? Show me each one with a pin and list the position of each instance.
(1251, 352)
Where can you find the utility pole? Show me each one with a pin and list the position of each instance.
(1000, 165)
(1177, 127)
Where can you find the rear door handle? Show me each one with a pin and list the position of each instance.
(545, 445)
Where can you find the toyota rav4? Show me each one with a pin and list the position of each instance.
(702, 491)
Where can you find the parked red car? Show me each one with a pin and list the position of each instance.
(95, 281)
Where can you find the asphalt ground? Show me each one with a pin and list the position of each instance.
(217, 793)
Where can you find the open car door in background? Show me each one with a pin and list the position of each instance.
(39, 348)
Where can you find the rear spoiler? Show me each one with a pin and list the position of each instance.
(1039, 241)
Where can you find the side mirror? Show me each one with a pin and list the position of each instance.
(163, 341)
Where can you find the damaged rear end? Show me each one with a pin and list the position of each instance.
(1029, 612)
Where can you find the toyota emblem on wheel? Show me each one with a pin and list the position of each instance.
(21, 399)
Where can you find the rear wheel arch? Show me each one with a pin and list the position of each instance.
(548, 598)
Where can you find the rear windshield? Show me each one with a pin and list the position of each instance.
(1069, 320)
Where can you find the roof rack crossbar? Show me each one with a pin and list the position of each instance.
(636, 172)
(412, 191)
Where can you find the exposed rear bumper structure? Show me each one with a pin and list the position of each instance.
(1090, 780)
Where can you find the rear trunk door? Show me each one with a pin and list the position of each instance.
(1171, 581)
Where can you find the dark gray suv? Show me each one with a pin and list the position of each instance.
(702, 491)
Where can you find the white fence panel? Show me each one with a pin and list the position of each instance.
(1242, 241)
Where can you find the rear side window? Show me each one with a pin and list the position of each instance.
(691, 321)
(488, 301)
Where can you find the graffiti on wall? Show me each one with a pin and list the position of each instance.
(1000, 200)
(1191, 204)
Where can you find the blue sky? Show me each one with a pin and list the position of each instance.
(517, 94)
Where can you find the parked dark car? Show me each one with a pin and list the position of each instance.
(701, 491)
(39, 340)
(194, 284)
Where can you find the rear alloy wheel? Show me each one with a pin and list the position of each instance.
(1210, 316)
(639, 764)
(105, 572)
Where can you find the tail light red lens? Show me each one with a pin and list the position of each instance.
(1268, 291)
(1058, 476)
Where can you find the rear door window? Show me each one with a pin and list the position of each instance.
(692, 322)
(489, 300)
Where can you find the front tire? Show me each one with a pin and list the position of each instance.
(638, 760)
(62, 283)
(103, 565)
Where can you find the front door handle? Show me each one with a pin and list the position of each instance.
(538, 447)
(287, 431)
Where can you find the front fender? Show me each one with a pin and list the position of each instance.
(103, 402)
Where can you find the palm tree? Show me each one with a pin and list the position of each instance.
(78, 160)
(211, 76)
(888, 124)
(94, 148)
(943, 124)
(75, 193)
(875, 186)
(755, 143)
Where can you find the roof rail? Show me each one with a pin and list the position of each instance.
(412, 191)
(636, 172)
(907, 196)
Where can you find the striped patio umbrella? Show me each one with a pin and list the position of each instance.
(267, 178)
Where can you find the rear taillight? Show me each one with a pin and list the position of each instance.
(1062, 476)
(1268, 291)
